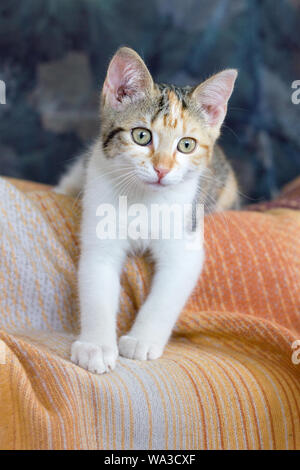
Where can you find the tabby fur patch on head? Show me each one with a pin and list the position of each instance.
(165, 133)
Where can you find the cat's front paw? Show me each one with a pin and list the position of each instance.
(95, 358)
(135, 348)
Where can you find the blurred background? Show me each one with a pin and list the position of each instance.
(54, 53)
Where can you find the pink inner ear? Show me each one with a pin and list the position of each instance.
(214, 112)
(214, 94)
(119, 77)
(124, 78)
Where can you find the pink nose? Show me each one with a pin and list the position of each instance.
(161, 171)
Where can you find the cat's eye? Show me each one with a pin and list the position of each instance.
(141, 136)
(186, 145)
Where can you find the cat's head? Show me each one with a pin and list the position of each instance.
(161, 134)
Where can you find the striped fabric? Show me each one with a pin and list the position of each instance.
(225, 381)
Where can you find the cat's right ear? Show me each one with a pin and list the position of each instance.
(127, 80)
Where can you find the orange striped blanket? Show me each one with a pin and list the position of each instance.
(229, 378)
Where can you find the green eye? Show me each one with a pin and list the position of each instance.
(141, 136)
(186, 145)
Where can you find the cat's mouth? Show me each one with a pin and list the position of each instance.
(156, 184)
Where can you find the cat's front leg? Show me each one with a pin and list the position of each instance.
(176, 274)
(99, 287)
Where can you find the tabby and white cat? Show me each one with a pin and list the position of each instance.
(156, 146)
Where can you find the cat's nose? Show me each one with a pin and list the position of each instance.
(161, 171)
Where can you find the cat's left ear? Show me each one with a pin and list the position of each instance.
(127, 80)
(212, 96)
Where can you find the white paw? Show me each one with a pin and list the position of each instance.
(134, 348)
(97, 359)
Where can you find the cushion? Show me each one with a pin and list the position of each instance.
(228, 378)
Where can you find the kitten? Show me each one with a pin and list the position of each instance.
(157, 145)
